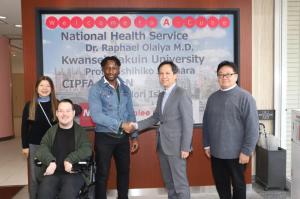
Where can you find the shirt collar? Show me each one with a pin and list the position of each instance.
(168, 90)
(43, 99)
(107, 82)
(227, 89)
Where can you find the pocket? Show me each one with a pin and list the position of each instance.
(124, 96)
(106, 99)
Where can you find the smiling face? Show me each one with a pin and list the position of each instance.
(44, 88)
(111, 71)
(227, 77)
(65, 115)
(166, 76)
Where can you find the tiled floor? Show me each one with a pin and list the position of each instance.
(13, 171)
(256, 193)
(13, 165)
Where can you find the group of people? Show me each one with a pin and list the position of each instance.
(49, 133)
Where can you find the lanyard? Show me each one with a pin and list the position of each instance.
(45, 114)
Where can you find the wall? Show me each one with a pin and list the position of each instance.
(262, 57)
(292, 97)
(18, 101)
(262, 52)
(146, 159)
(17, 89)
(6, 126)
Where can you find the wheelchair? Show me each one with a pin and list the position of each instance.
(88, 189)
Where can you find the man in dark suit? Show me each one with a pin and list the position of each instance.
(174, 113)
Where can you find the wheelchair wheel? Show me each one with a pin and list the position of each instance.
(88, 192)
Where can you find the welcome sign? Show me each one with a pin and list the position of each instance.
(74, 44)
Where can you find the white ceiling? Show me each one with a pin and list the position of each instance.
(11, 9)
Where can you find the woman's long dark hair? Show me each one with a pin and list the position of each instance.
(33, 103)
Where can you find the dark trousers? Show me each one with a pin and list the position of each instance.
(227, 172)
(107, 147)
(61, 184)
(34, 172)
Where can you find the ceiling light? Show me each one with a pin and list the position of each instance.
(18, 26)
(2, 17)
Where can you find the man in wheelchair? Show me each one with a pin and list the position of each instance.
(63, 145)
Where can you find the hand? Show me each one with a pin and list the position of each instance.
(25, 152)
(134, 145)
(207, 152)
(185, 154)
(68, 166)
(50, 169)
(244, 159)
(128, 127)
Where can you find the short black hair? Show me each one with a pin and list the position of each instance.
(174, 67)
(66, 101)
(110, 58)
(227, 63)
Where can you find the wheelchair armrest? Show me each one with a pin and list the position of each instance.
(81, 166)
(82, 163)
(37, 162)
(77, 167)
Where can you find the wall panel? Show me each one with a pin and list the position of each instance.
(293, 72)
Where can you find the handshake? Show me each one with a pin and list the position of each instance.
(129, 127)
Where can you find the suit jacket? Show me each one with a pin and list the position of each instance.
(176, 122)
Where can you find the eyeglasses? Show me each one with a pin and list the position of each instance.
(228, 75)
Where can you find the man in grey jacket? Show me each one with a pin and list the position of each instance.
(174, 113)
(230, 132)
